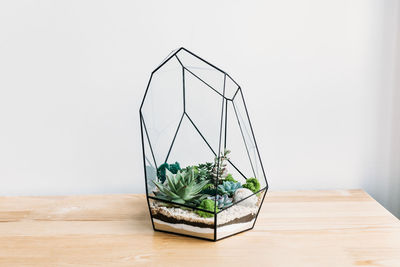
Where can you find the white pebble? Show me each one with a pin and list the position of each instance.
(241, 193)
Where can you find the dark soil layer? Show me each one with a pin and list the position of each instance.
(164, 218)
(167, 219)
(243, 219)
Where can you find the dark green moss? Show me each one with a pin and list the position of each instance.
(174, 168)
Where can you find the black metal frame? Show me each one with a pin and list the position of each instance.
(224, 104)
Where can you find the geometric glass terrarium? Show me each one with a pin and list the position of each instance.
(203, 172)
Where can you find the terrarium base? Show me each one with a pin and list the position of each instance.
(184, 229)
(230, 221)
(208, 233)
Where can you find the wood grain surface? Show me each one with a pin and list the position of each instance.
(297, 228)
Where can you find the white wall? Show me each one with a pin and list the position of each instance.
(318, 76)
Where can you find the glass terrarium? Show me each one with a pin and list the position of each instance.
(204, 176)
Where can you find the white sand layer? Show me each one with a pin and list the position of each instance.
(222, 231)
(230, 229)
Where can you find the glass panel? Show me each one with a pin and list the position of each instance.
(163, 107)
(204, 107)
(240, 216)
(189, 147)
(167, 57)
(241, 115)
(150, 167)
(236, 141)
(213, 77)
(181, 220)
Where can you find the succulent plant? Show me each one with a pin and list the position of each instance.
(201, 173)
(229, 177)
(180, 188)
(222, 201)
(174, 168)
(206, 204)
(228, 187)
(205, 170)
(253, 184)
(208, 165)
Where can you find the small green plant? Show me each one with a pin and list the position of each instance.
(228, 187)
(174, 168)
(206, 204)
(222, 201)
(207, 166)
(209, 189)
(181, 188)
(205, 171)
(229, 178)
(253, 184)
(201, 171)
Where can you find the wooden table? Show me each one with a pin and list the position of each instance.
(298, 228)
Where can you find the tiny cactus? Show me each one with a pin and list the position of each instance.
(219, 169)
